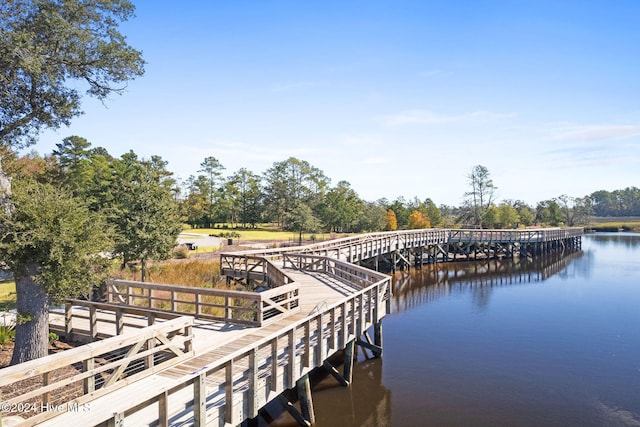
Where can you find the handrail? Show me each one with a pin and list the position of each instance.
(99, 312)
(102, 366)
(427, 235)
(352, 273)
(277, 360)
(240, 307)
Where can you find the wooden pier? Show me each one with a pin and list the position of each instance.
(171, 355)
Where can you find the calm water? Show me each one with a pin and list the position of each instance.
(549, 342)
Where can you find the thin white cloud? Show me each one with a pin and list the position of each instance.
(429, 117)
(597, 133)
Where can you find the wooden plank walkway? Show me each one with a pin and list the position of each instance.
(213, 343)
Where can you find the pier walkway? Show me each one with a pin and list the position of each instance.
(171, 355)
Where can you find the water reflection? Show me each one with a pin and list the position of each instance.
(467, 346)
(628, 240)
(419, 286)
(367, 402)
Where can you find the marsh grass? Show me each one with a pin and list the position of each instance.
(615, 224)
(196, 273)
(199, 273)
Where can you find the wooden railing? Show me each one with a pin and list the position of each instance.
(234, 387)
(247, 308)
(83, 319)
(45, 387)
(403, 238)
(521, 236)
(356, 248)
(253, 268)
(350, 273)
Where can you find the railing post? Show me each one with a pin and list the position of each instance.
(68, 321)
(291, 371)
(46, 378)
(149, 360)
(253, 383)
(89, 383)
(188, 344)
(274, 365)
(320, 344)
(200, 400)
(119, 321)
(117, 420)
(332, 336)
(129, 296)
(93, 323)
(163, 409)
(307, 344)
(151, 318)
(228, 393)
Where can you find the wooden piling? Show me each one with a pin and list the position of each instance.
(304, 396)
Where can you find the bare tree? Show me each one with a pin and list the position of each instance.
(481, 195)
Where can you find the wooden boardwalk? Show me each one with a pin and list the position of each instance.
(171, 356)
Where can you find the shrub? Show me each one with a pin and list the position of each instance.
(180, 252)
(7, 334)
(53, 337)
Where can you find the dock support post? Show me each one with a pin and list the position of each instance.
(377, 336)
(348, 361)
(304, 396)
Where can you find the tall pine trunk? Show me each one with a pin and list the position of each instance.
(32, 328)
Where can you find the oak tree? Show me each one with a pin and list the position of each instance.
(52, 243)
(50, 51)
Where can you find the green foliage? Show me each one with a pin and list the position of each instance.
(373, 217)
(22, 318)
(302, 219)
(289, 184)
(180, 252)
(341, 208)
(50, 228)
(243, 192)
(548, 213)
(48, 50)
(143, 212)
(401, 211)
(232, 234)
(53, 337)
(7, 333)
(623, 202)
(211, 179)
(435, 217)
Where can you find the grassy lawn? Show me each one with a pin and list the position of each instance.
(7, 295)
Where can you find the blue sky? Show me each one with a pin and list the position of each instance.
(395, 97)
